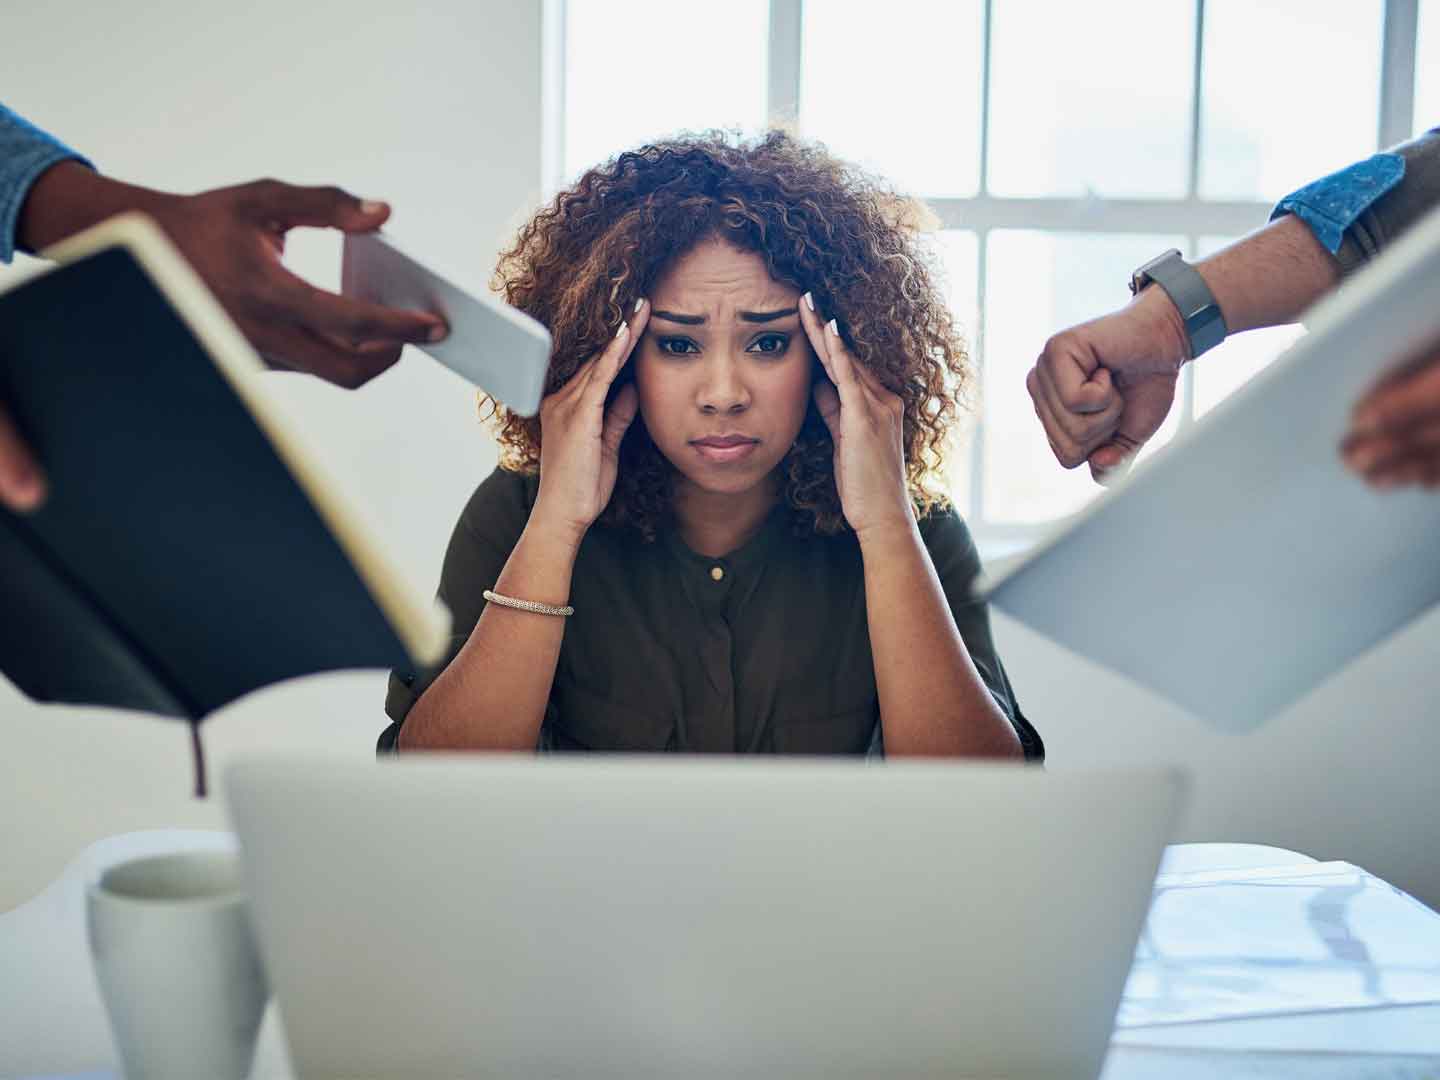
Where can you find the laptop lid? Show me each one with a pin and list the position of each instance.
(1243, 565)
(507, 916)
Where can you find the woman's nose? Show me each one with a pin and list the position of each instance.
(722, 390)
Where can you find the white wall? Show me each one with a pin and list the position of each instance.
(439, 111)
(436, 110)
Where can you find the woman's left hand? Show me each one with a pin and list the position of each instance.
(866, 423)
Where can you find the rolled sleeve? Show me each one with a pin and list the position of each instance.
(25, 153)
(1358, 212)
(1333, 203)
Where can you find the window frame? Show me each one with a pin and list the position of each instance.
(983, 213)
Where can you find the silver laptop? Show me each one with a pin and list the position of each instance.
(1244, 565)
(508, 916)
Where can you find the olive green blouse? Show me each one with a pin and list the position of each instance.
(764, 650)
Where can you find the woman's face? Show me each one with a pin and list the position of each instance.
(724, 369)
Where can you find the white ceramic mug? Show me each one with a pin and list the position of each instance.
(178, 967)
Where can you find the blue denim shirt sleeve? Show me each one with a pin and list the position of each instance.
(25, 153)
(1331, 204)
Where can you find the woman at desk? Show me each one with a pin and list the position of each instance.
(723, 531)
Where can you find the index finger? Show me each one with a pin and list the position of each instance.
(608, 368)
(297, 301)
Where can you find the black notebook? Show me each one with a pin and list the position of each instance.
(189, 550)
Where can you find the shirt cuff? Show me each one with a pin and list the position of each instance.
(1332, 204)
(20, 176)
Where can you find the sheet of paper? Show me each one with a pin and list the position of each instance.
(1137, 1063)
(1293, 939)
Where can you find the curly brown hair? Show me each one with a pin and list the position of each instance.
(822, 225)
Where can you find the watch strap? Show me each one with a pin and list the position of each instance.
(1204, 323)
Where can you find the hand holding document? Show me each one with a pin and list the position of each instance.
(1244, 564)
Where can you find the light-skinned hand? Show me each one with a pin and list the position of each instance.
(1103, 388)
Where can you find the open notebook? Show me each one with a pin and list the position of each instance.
(190, 550)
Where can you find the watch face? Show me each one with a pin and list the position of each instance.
(1141, 277)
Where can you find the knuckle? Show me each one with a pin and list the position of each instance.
(265, 189)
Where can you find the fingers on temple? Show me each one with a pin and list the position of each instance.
(618, 417)
(816, 333)
(296, 301)
(291, 204)
(827, 404)
(22, 485)
(597, 374)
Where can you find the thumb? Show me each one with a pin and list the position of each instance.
(22, 485)
(619, 415)
(827, 403)
(321, 207)
(1109, 463)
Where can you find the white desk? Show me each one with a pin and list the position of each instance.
(52, 1023)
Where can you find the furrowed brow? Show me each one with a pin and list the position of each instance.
(684, 320)
(767, 316)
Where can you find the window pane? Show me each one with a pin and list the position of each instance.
(1038, 283)
(1091, 97)
(1427, 67)
(1291, 92)
(640, 69)
(899, 93)
(959, 252)
(1233, 363)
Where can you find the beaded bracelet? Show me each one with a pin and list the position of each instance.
(527, 605)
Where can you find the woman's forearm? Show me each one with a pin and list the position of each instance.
(493, 694)
(932, 700)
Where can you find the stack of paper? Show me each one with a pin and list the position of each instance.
(1291, 939)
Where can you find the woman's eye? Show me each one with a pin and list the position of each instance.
(771, 344)
(677, 346)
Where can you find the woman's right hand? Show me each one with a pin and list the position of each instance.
(580, 437)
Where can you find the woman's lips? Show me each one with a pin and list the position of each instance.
(729, 448)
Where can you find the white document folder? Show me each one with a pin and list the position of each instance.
(1243, 565)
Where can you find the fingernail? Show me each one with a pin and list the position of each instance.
(809, 301)
(439, 332)
(624, 329)
(833, 327)
(639, 303)
(372, 206)
(26, 491)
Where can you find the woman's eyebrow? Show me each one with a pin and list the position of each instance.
(745, 316)
(670, 316)
(767, 316)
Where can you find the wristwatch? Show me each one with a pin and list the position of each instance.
(1204, 325)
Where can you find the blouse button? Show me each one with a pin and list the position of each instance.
(717, 573)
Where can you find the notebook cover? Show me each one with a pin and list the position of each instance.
(178, 562)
